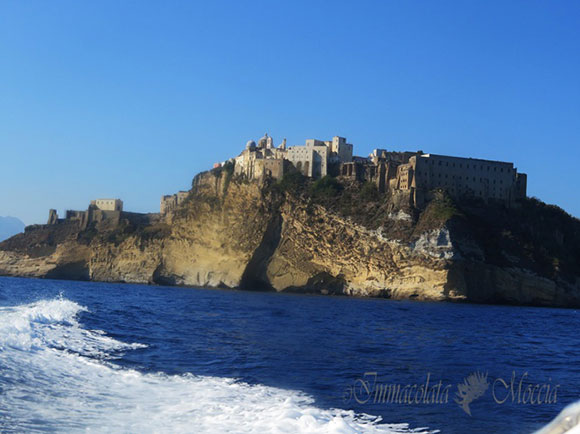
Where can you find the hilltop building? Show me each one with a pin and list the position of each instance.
(461, 178)
(108, 204)
(419, 174)
(99, 210)
(260, 160)
(313, 159)
(172, 201)
(414, 173)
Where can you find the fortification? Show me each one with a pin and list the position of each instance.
(108, 204)
(412, 172)
(313, 159)
(171, 201)
(420, 174)
(98, 211)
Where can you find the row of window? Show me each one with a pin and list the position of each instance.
(473, 166)
(459, 178)
(492, 192)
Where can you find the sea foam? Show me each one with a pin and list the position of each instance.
(56, 375)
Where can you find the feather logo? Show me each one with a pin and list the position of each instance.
(472, 388)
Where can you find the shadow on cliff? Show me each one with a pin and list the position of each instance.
(254, 277)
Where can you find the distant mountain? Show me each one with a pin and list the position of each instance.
(10, 226)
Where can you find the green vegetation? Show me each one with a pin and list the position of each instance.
(325, 187)
(85, 237)
(440, 211)
(228, 169)
(444, 209)
(156, 231)
(120, 234)
(149, 232)
(292, 181)
(369, 192)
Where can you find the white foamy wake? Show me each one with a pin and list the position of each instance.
(55, 375)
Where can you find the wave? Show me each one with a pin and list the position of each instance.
(57, 376)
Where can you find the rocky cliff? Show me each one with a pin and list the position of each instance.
(329, 237)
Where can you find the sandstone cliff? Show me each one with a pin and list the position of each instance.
(326, 236)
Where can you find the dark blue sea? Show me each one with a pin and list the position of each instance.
(99, 357)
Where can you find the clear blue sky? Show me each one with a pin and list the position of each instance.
(130, 99)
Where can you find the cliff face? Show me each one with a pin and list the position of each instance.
(321, 237)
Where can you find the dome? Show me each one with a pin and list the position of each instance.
(263, 141)
(251, 144)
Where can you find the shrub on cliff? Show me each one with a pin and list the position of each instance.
(228, 169)
(292, 181)
(155, 231)
(369, 192)
(438, 212)
(325, 187)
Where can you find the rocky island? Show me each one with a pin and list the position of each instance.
(315, 218)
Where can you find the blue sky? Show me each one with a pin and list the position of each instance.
(131, 99)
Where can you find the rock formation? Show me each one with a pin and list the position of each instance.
(328, 236)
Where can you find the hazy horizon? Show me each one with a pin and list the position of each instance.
(130, 100)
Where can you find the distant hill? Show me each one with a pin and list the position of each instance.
(10, 226)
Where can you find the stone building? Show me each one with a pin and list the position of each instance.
(311, 160)
(413, 172)
(261, 160)
(171, 201)
(314, 158)
(381, 167)
(462, 178)
(108, 204)
(420, 174)
(340, 151)
(104, 211)
(52, 217)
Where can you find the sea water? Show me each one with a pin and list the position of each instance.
(99, 357)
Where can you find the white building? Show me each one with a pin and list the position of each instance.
(108, 204)
(313, 158)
